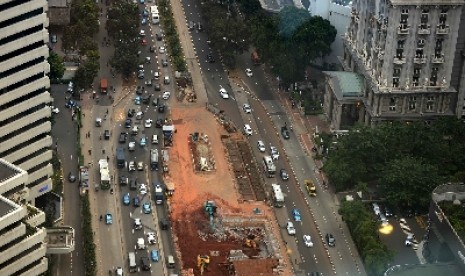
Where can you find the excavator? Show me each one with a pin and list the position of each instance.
(202, 262)
(250, 242)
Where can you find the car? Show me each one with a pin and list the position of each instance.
(247, 109)
(55, 110)
(151, 238)
(152, 49)
(376, 209)
(164, 62)
(70, 104)
(140, 75)
(248, 72)
(54, 38)
(128, 123)
(123, 137)
(131, 166)
(135, 130)
(210, 58)
(106, 134)
(71, 177)
(70, 87)
(136, 201)
(388, 211)
(139, 115)
(261, 146)
(154, 255)
(285, 133)
(145, 13)
(137, 224)
(141, 1)
(123, 180)
(143, 21)
(274, 152)
(155, 139)
(132, 146)
(131, 112)
(126, 199)
(142, 189)
(148, 123)
(308, 241)
(159, 36)
(284, 175)
(410, 240)
(191, 25)
(147, 208)
(145, 263)
(290, 228)
(132, 185)
(161, 108)
(164, 224)
(157, 87)
(142, 33)
(143, 141)
(156, 75)
(148, 60)
(161, 49)
(330, 240)
(166, 95)
(223, 93)
(159, 123)
(108, 219)
(247, 130)
(140, 165)
(119, 271)
(166, 80)
(143, 42)
(296, 214)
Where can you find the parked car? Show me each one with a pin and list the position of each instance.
(123, 137)
(123, 180)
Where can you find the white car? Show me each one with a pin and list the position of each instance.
(132, 146)
(166, 95)
(248, 72)
(247, 130)
(308, 241)
(161, 50)
(247, 109)
(70, 86)
(132, 166)
(119, 271)
(261, 146)
(55, 110)
(142, 189)
(155, 139)
(148, 123)
(142, 33)
(137, 224)
(224, 94)
(156, 75)
(151, 238)
(140, 166)
(274, 152)
(290, 228)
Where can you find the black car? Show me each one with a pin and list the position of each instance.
(139, 91)
(159, 37)
(285, 132)
(71, 177)
(145, 263)
(159, 123)
(164, 224)
(152, 49)
(132, 185)
(123, 180)
(330, 240)
(157, 87)
(210, 58)
(123, 137)
(106, 134)
(284, 175)
(128, 123)
(161, 108)
(146, 99)
(164, 62)
(131, 112)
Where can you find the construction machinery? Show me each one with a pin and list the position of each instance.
(250, 242)
(202, 262)
(210, 209)
(311, 189)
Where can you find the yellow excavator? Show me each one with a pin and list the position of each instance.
(250, 242)
(202, 262)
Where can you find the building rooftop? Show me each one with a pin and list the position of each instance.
(346, 84)
(6, 171)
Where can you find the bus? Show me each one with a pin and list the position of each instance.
(104, 174)
(269, 166)
(277, 196)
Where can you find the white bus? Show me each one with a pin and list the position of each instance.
(269, 166)
(278, 196)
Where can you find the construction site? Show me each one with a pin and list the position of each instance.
(221, 222)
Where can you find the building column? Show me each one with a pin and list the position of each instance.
(338, 117)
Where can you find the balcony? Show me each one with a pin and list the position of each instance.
(399, 61)
(442, 29)
(424, 29)
(403, 30)
(438, 59)
(381, 55)
(419, 60)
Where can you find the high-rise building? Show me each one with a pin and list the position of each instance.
(409, 53)
(22, 240)
(25, 124)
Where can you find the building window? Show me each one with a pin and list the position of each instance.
(443, 17)
(400, 44)
(412, 103)
(416, 72)
(434, 76)
(392, 104)
(396, 72)
(419, 53)
(395, 82)
(421, 43)
(430, 103)
(416, 81)
(439, 43)
(404, 11)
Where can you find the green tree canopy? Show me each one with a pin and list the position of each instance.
(291, 19)
(57, 66)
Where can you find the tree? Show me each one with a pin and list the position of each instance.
(57, 66)
(290, 19)
(87, 71)
(314, 37)
(250, 7)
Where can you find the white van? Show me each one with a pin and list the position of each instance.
(155, 139)
(132, 262)
(376, 209)
(171, 262)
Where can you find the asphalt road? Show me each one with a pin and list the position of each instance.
(64, 136)
(324, 219)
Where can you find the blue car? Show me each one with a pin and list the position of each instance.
(143, 141)
(145, 13)
(108, 219)
(136, 201)
(126, 199)
(296, 215)
(154, 255)
(147, 208)
(137, 100)
(70, 104)
(143, 21)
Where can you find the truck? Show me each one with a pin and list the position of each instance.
(132, 262)
(120, 159)
(103, 86)
(169, 188)
(166, 159)
(277, 195)
(154, 159)
(255, 58)
(104, 174)
(168, 131)
(83, 176)
(158, 193)
(311, 189)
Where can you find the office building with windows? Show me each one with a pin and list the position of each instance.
(25, 113)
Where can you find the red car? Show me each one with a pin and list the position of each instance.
(143, 42)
